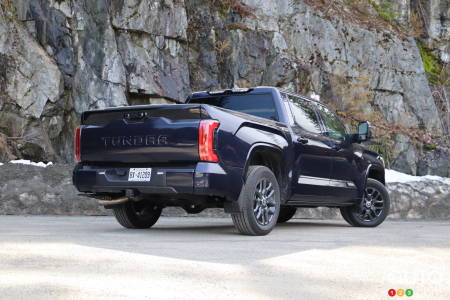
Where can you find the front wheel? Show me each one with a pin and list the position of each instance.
(260, 202)
(139, 215)
(372, 210)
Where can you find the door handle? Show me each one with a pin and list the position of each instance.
(302, 140)
(336, 147)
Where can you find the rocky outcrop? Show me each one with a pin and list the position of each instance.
(436, 18)
(62, 57)
(35, 190)
(26, 189)
(420, 200)
(32, 78)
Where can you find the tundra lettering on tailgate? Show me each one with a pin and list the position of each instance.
(135, 140)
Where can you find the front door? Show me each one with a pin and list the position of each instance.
(344, 178)
(312, 162)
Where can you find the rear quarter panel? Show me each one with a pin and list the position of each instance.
(238, 135)
(240, 132)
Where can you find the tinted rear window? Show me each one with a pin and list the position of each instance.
(261, 105)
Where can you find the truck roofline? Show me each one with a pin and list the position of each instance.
(252, 90)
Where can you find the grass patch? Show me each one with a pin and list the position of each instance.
(432, 65)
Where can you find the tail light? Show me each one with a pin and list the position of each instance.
(77, 144)
(206, 133)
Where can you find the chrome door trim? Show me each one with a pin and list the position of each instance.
(325, 182)
(313, 180)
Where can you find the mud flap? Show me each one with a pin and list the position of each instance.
(235, 206)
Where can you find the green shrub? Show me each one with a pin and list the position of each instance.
(430, 63)
(430, 147)
(385, 11)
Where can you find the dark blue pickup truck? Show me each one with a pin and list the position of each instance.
(258, 153)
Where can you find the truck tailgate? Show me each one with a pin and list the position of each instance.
(147, 134)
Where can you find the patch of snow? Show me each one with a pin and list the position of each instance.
(445, 57)
(31, 163)
(315, 97)
(398, 177)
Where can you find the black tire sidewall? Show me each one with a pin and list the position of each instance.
(351, 212)
(137, 221)
(255, 174)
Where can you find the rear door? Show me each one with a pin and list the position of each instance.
(147, 134)
(312, 162)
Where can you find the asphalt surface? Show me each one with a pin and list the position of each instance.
(57, 257)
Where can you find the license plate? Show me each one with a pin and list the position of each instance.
(140, 174)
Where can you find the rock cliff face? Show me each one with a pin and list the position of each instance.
(61, 57)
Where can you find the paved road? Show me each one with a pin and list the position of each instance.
(201, 258)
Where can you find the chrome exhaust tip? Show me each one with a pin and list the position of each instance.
(115, 201)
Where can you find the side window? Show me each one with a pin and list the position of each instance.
(334, 127)
(288, 109)
(304, 114)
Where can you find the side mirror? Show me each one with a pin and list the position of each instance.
(364, 133)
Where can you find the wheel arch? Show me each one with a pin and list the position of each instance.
(376, 173)
(270, 156)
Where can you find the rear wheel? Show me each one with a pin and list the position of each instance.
(139, 215)
(286, 213)
(372, 210)
(260, 202)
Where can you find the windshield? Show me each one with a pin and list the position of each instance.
(260, 105)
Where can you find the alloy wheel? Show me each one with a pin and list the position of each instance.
(264, 202)
(371, 206)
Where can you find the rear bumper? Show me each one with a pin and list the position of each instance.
(208, 179)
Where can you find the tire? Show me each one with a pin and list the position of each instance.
(259, 201)
(286, 213)
(373, 209)
(137, 215)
